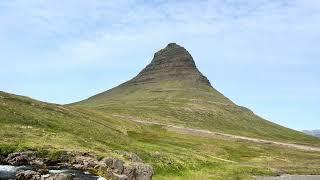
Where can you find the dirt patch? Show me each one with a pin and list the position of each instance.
(206, 133)
(291, 177)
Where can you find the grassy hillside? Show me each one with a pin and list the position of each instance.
(171, 90)
(186, 104)
(30, 124)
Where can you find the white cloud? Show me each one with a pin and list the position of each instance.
(78, 33)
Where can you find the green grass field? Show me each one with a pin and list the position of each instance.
(192, 105)
(29, 124)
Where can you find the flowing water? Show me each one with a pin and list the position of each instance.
(9, 173)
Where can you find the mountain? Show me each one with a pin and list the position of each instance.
(312, 132)
(172, 74)
(171, 63)
(170, 117)
(172, 90)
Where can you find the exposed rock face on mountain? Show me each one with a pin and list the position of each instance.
(171, 63)
(172, 71)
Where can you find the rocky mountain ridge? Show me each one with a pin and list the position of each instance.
(171, 63)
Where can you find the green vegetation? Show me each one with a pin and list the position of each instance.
(192, 105)
(49, 128)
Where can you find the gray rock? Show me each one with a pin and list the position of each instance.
(60, 176)
(39, 165)
(130, 172)
(65, 156)
(171, 63)
(2, 159)
(143, 171)
(117, 166)
(28, 175)
(18, 159)
(85, 162)
(27, 158)
(138, 171)
(108, 162)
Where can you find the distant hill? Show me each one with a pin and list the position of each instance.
(312, 132)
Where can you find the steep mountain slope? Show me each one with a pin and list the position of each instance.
(27, 124)
(172, 74)
(172, 90)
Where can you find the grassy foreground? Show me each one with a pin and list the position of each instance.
(29, 124)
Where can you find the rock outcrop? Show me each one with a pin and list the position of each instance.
(59, 176)
(115, 168)
(18, 159)
(112, 168)
(141, 171)
(171, 63)
(28, 175)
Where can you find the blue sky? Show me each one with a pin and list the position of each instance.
(262, 54)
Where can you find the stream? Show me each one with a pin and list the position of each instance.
(9, 172)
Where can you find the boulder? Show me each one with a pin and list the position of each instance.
(65, 156)
(28, 175)
(39, 165)
(138, 171)
(108, 162)
(143, 171)
(130, 172)
(116, 165)
(85, 162)
(2, 159)
(18, 159)
(61, 176)
(113, 168)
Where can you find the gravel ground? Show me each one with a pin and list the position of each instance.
(287, 177)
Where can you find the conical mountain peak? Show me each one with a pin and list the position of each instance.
(172, 74)
(171, 53)
(173, 63)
